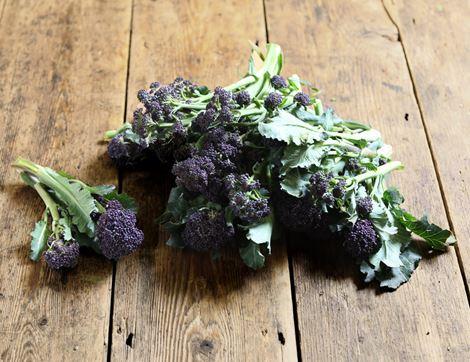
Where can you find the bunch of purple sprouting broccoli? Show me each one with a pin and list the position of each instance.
(78, 215)
(259, 155)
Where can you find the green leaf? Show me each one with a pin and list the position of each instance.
(295, 182)
(101, 189)
(175, 241)
(435, 237)
(302, 156)
(393, 196)
(40, 234)
(252, 256)
(393, 277)
(262, 232)
(126, 201)
(87, 241)
(66, 225)
(288, 128)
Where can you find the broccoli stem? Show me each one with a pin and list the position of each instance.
(112, 133)
(381, 170)
(48, 201)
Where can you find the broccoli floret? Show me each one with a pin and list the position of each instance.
(297, 214)
(243, 98)
(248, 209)
(319, 183)
(118, 151)
(223, 96)
(364, 206)
(339, 189)
(207, 230)
(61, 254)
(227, 144)
(278, 82)
(272, 101)
(225, 115)
(361, 240)
(302, 98)
(204, 120)
(117, 232)
(193, 173)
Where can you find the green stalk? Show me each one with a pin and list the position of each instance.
(48, 201)
(381, 170)
(112, 133)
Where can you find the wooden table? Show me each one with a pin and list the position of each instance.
(69, 70)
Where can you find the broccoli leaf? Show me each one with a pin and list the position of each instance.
(87, 241)
(40, 234)
(66, 224)
(393, 277)
(288, 128)
(261, 232)
(393, 196)
(295, 182)
(302, 156)
(175, 240)
(101, 190)
(252, 256)
(434, 236)
(126, 201)
(327, 120)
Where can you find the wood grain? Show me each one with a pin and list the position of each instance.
(62, 84)
(172, 305)
(351, 51)
(436, 39)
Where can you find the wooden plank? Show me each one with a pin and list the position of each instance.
(173, 305)
(62, 84)
(436, 39)
(351, 50)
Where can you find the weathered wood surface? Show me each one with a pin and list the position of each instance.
(351, 50)
(173, 305)
(62, 84)
(436, 39)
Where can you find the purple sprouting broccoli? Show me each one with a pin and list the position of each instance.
(298, 214)
(353, 165)
(242, 98)
(117, 232)
(62, 254)
(223, 96)
(225, 115)
(118, 151)
(361, 240)
(227, 144)
(364, 206)
(204, 120)
(339, 190)
(278, 82)
(319, 184)
(272, 101)
(249, 208)
(207, 230)
(302, 99)
(193, 173)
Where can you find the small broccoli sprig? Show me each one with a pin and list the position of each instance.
(78, 215)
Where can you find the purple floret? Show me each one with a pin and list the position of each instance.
(193, 173)
(278, 82)
(319, 183)
(302, 98)
(242, 98)
(117, 232)
(225, 115)
(362, 241)
(298, 214)
(272, 101)
(364, 206)
(204, 120)
(62, 255)
(118, 150)
(228, 144)
(248, 209)
(223, 96)
(339, 189)
(207, 230)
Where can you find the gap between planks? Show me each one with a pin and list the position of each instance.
(431, 149)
